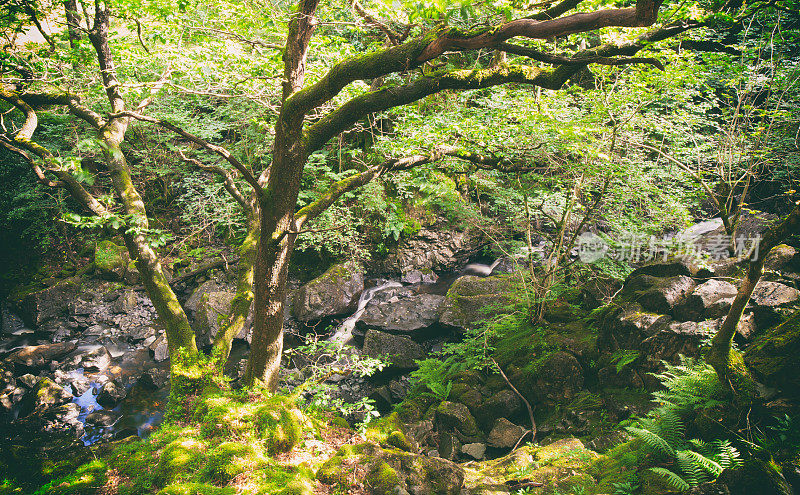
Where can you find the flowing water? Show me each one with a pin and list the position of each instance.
(344, 334)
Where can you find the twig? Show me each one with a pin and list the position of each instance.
(527, 404)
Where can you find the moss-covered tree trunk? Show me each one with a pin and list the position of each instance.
(729, 364)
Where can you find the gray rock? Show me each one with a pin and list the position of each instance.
(89, 357)
(454, 416)
(27, 380)
(408, 314)
(43, 395)
(154, 378)
(774, 294)
(103, 418)
(711, 299)
(333, 293)
(138, 334)
(213, 307)
(780, 257)
(475, 450)
(38, 356)
(39, 307)
(657, 294)
(160, 349)
(559, 378)
(80, 385)
(111, 394)
(125, 302)
(505, 434)
(193, 303)
(472, 300)
(400, 351)
(419, 277)
(628, 326)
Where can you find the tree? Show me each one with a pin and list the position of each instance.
(309, 116)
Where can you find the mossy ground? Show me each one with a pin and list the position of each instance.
(228, 443)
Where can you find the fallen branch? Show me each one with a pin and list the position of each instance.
(527, 404)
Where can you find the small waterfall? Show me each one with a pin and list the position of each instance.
(480, 269)
(344, 333)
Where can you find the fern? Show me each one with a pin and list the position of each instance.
(725, 454)
(670, 427)
(652, 440)
(673, 480)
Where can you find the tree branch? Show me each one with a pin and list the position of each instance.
(228, 181)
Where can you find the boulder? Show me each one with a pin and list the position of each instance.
(505, 434)
(333, 293)
(773, 294)
(628, 326)
(113, 262)
(154, 378)
(90, 357)
(400, 351)
(45, 394)
(39, 356)
(160, 349)
(432, 248)
(475, 450)
(405, 313)
(774, 356)
(138, 334)
(504, 403)
(454, 416)
(39, 307)
(472, 300)
(193, 303)
(125, 302)
(103, 418)
(111, 393)
(415, 276)
(678, 338)
(780, 258)
(711, 299)
(657, 294)
(213, 308)
(557, 378)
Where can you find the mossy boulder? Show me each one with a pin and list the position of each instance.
(472, 300)
(113, 262)
(37, 308)
(333, 293)
(657, 294)
(454, 416)
(401, 352)
(212, 309)
(774, 357)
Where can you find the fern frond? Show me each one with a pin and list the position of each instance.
(652, 440)
(670, 428)
(702, 447)
(708, 466)
(725, 454)
(692, 471)
(673, 480)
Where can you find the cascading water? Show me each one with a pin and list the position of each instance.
(344, 334)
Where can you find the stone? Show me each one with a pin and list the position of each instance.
(111, 260)
(505, 434)
(774, 294)
(471, 300)
(503, 403)
(407, 315)
(657, 294)
(27, 380)
(476, 450)
(39, 307)
(213, 307)
(43, 395)
(557, 379)
(38, 356)
(663, 269)
(400, 351)
(103, 418)
(627, 327)
(154, 378)
(193, 303)
(419, 277)
(335, 292)
(780, 257)
(774, 356)
(92, 357)
(679, 338)
(80, 385)
(125, 302)
(160, 349)
(711, 299)
(111, 394)
(138, 334)
(454, 416)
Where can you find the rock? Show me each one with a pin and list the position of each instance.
(112, 261)
(419, 277)
(333, 293)
(557, 379)
(39, 356)
(774, 356)
(154, 378)
(774, 294)
(193, 303)
(505, 434)
(679, 338)
(39, 307)
(780, 258)
(213, 307)
(470, 298)
(27, 380)
(627, 327)
(111, 394)
(126, 302)
(138, 334)
(432, 248)
(43, 395)
(711, 299)
(754, 476)
(103, 418)
(665, 269)
(80, 385)
(407, 315)
(400, 351)
(160, 349)
(475, 450)
(93, 357)
(504, 403)
(452, 416)
(656, 294)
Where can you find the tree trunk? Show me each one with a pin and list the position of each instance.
(243, 301)
(729, 364)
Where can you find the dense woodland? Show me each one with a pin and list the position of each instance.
(400, 247)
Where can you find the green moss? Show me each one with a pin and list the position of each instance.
(382, 478)
(196, 489)
(109, 257)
